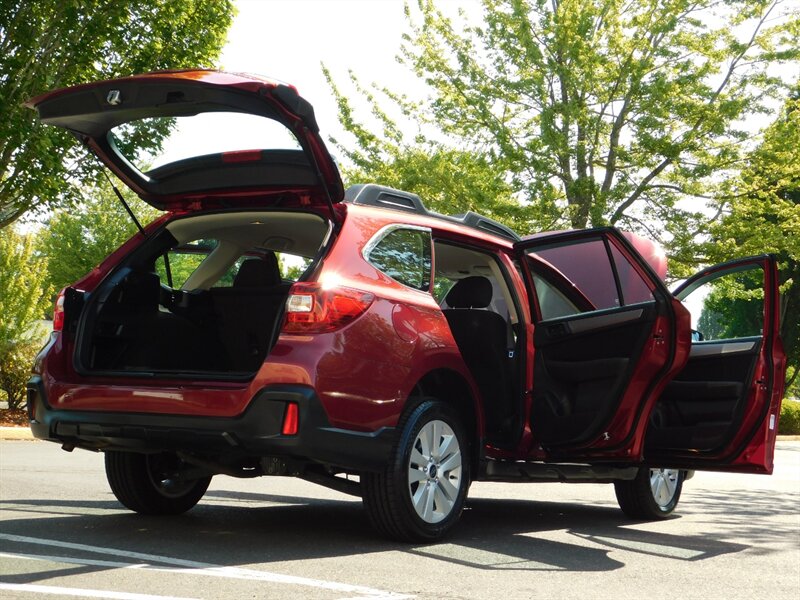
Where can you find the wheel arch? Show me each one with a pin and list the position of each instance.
(452, 388)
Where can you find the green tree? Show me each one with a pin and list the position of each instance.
(733, 306)
(449, 180)
(292, 269)
(594, 112)
(23, 295)
(75, 241)
(49, 44)
(762, 215)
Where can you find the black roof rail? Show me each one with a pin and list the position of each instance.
(477, 221)
(371, 194)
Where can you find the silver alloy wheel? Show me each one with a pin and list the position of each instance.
(434, 471)
(663, 485)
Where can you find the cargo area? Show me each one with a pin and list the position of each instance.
(203, 296)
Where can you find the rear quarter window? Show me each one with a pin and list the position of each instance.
(404, 254)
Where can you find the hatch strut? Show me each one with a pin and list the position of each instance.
(125, 204)
(167, 268)
(324, 188)
(114, 187)
(129, 211)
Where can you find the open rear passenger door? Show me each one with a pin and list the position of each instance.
(606, 339)
(721, 411)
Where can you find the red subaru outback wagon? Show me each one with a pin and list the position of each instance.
(272, 323)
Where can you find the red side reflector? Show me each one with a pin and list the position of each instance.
(239, 156)
(290, 419)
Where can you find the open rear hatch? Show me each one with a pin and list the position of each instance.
(201, 139)
(240, 161)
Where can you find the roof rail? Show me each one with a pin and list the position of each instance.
(371, 194)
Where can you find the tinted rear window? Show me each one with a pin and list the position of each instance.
(199, 135)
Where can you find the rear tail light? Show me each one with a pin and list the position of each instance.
(310, 308)
(58, 311)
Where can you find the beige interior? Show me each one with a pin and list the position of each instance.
(455, 262)
(298, 233)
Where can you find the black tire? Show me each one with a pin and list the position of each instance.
(439, 487)
(652, 495)
(151, 484)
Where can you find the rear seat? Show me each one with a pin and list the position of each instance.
(133, 333)
(247, 312)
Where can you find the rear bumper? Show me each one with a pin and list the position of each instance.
(256, 432)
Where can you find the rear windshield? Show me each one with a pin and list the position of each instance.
(176, 266)
(231, 134)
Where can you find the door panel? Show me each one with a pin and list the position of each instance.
(581, 371)
(701, 406)
(720, 411)
(606, 340)
(591, 323)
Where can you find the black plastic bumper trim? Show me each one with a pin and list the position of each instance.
(256, 432)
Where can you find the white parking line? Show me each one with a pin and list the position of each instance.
(88, 562)
(196, 568)
(65, 591)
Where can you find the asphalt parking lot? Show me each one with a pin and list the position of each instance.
(62, 534)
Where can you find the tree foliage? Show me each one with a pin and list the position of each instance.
(49, 44)
(16, 361)
(733, 306)
(450, 180)
(762, 215)
(591, 112)
(23, 295)
(75, 241)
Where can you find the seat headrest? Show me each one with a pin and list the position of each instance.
(258, 272)
(470, 292)
(139, 292)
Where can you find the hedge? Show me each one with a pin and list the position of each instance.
(789, 423)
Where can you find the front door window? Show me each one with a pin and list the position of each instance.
(727, 305)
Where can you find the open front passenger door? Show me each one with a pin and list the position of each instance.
(721, 411)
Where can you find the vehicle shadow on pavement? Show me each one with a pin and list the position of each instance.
(503, 535)
(761, 516)
(232, 529)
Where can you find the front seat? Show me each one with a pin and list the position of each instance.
(482, 338)
(258, 273)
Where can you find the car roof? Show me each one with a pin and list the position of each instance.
(408, 204)
(387, 216)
